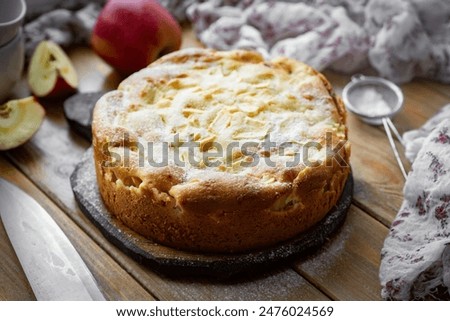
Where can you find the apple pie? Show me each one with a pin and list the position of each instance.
(221, 152)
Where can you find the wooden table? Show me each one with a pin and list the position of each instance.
(346, 268)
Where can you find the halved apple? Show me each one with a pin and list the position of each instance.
(19, 120)
(51, 73)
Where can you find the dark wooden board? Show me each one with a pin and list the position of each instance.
(78, 112)
(175, 262)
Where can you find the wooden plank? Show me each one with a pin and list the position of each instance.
(13, 282)
(189, 38)
(280, 285)
(378, 180)
(443, 89)
(421, 103)
(93, 73)
(109, 275)
(346, 268)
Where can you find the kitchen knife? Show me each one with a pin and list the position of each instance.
(53, 267)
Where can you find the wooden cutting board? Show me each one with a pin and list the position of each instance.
(176, 262)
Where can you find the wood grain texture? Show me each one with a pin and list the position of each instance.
(13, 282)
(443, 89)
(346, 268)
(109, 275)
(283, 284)
(378, 180)
(189, 38)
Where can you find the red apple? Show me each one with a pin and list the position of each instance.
(130, 34)
(19, 120)
(51, 73)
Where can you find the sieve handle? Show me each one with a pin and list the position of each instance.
(387, 128)
(395, 131)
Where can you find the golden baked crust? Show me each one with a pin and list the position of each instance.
(227, 202)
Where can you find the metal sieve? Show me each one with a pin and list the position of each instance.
(375, 100)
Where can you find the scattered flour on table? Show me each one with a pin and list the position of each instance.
(324, 260)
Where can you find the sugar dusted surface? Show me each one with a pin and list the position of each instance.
(222, 102)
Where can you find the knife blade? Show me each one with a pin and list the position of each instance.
(53, 267)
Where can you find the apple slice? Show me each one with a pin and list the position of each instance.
(19, 120)
(51, 73)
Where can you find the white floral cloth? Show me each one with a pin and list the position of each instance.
(414, 138)
(415, 260)
(401, 39)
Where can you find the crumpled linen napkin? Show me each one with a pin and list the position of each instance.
(400, 39)
(414, 139)
(67, 23)
(415, 259)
